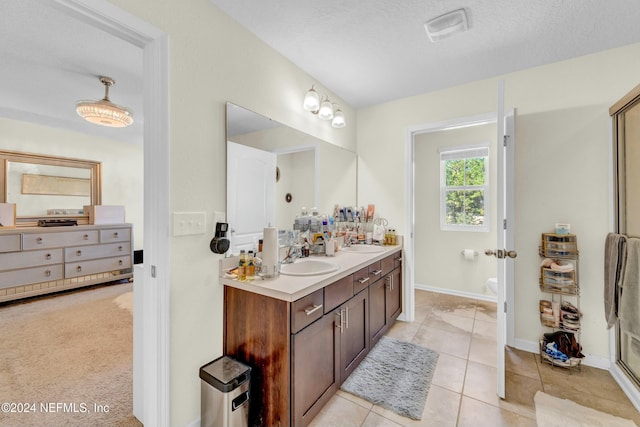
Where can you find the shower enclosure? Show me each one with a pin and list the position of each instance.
(625, 116)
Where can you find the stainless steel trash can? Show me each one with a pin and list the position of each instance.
(224, 397)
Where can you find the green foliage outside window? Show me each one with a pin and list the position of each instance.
(464, 203)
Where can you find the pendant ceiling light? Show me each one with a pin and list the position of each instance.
(104, 112)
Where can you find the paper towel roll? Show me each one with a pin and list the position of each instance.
(469, 254)
(270, 251)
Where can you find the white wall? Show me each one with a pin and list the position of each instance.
(562, 165)
(438, 259)
(213, 60)
(122, 163)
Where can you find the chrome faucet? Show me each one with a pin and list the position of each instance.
(293, 251)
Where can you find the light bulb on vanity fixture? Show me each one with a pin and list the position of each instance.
(323, 108)
(104, 112)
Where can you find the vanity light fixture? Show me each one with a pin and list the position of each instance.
(323, 108)
(104, 112)
(447, 25)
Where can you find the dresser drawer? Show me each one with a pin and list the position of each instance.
(81, 253)
(27, 276)
(306, 310)
(337, 293)
(82, 268)
(113, 235)
(55, 240)
(10, 243)
(11, 261)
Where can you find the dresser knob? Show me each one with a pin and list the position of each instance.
(79, 253)
(115, 235)
(79, 269)
(120, 248)
(39, 240)
(119, 262)
(86, 237)
(48, 256)
(47, 273)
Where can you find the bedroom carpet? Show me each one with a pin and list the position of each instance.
(66, 359)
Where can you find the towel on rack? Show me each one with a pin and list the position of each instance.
(615, 257)
(629, 310)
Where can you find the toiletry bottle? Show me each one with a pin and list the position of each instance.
(242, 266)
(250, 269)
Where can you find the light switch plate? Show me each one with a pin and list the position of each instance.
(189, 223)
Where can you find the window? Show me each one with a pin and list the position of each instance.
(464, 188)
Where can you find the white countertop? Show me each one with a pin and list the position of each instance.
(292, 288)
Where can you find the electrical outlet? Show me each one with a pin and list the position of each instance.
(189, 223)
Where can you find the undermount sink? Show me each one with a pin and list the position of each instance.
(363, 249)
(309, 267)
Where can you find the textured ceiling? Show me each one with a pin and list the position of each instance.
(373, 51)
(366, 51)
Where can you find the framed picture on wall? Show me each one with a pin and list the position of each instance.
(7, 215)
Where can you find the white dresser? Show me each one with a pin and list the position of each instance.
(41, 260)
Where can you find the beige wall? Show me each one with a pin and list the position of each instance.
(562, 165)
(213, 60)
(439, 262)
(122, 163)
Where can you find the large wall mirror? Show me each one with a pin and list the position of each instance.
(44, 186)
(273, 171)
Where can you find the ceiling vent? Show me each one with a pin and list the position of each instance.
(447, 25)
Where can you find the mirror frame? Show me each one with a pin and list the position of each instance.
(94, 167)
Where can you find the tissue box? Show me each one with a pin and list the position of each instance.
(101, 214)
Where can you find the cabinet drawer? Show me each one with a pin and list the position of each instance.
(55, 240)
(337, 293)
(306, 310)
(27, 276)
(97, 251)
(375, 271)
(10, 243)
(391, 262)
(113, 235)
(11, 261)
(75, 269)
(361, 280)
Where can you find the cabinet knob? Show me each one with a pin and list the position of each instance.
(363, 280)
(312, 309)
(377, 272)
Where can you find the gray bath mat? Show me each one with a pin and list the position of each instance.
(395, 375)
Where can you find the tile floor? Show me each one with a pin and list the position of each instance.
(463, 390)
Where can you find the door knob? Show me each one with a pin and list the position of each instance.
(501, 253)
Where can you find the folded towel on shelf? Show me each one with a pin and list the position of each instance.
(628, 311)
(615, 256)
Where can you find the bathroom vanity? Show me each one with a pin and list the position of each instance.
(304, 335)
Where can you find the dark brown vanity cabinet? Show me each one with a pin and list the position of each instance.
(385, 296)
(302, 351)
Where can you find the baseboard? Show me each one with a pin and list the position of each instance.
(465, 294)
(626, 385)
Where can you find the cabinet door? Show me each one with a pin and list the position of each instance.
(315, 370)
(354, 336)
(394, 295)
(377, 311)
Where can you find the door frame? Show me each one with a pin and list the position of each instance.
(156, 284)
(408, 298)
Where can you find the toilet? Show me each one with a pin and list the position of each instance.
(492, 285)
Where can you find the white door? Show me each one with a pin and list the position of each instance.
(505, 234)
(251, 194)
